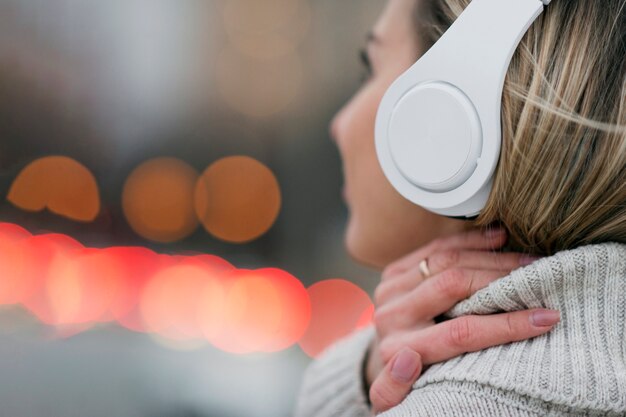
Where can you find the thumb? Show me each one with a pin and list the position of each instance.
(396, 380)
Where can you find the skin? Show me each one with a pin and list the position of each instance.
(382, 226)
(384, 231)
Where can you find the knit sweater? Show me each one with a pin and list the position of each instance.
(577, 369)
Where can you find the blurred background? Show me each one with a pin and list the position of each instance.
(172, 241)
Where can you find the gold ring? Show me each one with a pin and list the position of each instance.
(423, 266)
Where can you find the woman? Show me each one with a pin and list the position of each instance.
(559, 191)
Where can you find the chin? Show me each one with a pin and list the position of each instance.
(360, 247)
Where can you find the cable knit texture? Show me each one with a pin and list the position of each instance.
(577, 369)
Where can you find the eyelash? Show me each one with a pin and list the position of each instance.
(365, 60)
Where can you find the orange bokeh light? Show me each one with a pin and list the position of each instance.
(237, 199)
(256, 17)
(60, 184)
(259, 88)
(158, 200)
(338, 308)
(269, 29)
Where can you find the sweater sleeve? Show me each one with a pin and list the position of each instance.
(333, 383)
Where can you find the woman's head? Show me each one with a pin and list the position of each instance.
(561, 180)
(383, 226)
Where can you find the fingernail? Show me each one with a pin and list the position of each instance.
(543, 318)
(493, 233)
(405, 365)
(526, 260)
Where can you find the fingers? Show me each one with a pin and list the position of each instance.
(440, 293)
(392, 288)
(481, 239)
(396, 380)
(429, 299)
(488, 239)
(471, 333)
(443, 260)
(451, 260)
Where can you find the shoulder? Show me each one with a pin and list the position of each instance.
(332, 383)
(454, 398)
(346, 351)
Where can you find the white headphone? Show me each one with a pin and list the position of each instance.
(438, 129)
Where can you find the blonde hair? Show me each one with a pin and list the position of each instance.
(561, 180)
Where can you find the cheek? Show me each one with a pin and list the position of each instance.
(372, 202)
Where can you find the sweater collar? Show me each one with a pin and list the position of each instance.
(563, 281)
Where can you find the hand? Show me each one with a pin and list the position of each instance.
(407, 302)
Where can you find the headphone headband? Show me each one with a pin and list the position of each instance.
(438, 127)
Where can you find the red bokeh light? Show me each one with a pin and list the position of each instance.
(82, 285)
(169, 303)
(12, 231)
(39, 253)
(182, 298)
(139, 265)
(252, 311)
(367, 317)
(338, 308)
(266, 310)
(296, 310)
(214, 263)
(13, 287)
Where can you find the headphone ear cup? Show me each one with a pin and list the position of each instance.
(438, 128)
(435, 137)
